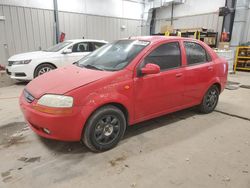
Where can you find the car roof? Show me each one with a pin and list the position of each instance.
(159, 38)
(86, 40)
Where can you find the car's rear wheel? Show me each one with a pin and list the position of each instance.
(104, 129)
(43, 68)
(210, 100)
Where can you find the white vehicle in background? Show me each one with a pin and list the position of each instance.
(27, 66)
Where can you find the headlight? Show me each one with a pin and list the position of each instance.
(57, 101)
(23, 62)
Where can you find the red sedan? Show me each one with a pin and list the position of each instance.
(120, 84)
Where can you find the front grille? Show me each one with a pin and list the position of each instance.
(28, 97)
(10, 63)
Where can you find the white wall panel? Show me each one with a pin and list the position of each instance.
(113, 8)
(9, 30)
(36, 29)
(29, 28)
(15, 29)
(106, 8)
(3, 55)
(83, 24)
(191, 7)
(43, 4)
(247, 31)
(72, 26)
(42, 30)
(71, 5)
(49, 22)
(132, 10)
(22, 27)
(61, 21)
(66, 25)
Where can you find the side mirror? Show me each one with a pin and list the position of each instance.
(150, 68)
(67, 51)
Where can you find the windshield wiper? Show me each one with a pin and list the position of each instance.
(92, 67)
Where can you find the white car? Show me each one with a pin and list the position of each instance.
(27, 66)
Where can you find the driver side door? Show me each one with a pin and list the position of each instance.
(157, 94)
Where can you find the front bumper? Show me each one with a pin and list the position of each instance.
(61, 127)
(20, 72)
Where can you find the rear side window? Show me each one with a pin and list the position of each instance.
(196, 54)
(166, 56)
(81, 47)
(98, 45)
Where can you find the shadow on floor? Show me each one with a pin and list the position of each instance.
(6, 81)
(22, 83)
(137, 129)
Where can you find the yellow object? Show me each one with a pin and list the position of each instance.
(242, 58)
(199, 35)
(195, 34)
(165, 28)
(167, 33)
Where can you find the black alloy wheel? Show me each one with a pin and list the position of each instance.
(210, 100)
(104, 129)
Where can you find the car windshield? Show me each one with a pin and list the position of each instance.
(57, 47)
(114, 56)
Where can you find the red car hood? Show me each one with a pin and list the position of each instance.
(64, 79)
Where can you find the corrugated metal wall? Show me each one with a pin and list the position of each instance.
(209, 21)
(77, 25)
(28, 29)
(23, 30)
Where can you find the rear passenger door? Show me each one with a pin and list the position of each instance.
(162, 92)
(199, 71)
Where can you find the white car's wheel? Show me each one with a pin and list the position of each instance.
(43, 68)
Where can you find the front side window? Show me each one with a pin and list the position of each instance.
(113, 56)
(166, 56)
(81, 47)
(58, 47)
(195, 53)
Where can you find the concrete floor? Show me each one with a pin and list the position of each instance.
(184, 149)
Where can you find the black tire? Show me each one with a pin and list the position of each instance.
(210, 100)
(43, 68)
(104, 129)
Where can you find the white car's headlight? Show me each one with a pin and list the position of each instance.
(57, 101)
(23, 62)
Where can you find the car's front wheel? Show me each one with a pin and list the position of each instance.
(43, 68)
(210, 100)
(104, 129)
